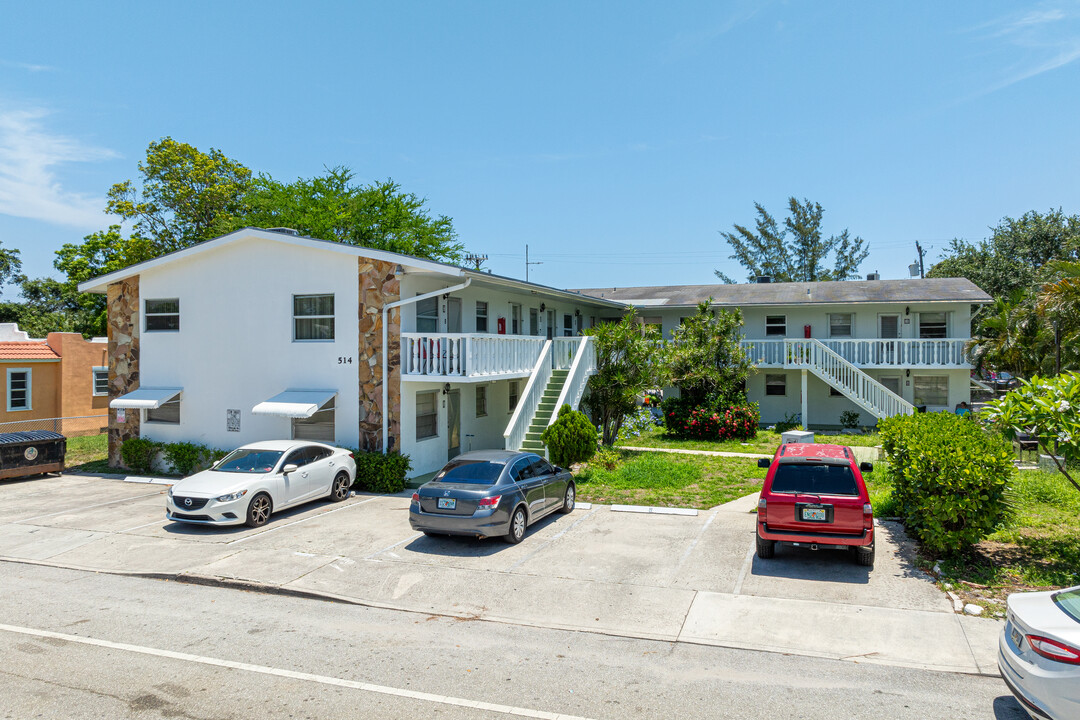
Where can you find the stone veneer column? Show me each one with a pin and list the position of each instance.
(379, 286)
(123, 327)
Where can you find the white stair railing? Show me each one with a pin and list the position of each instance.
(529, 401)
(857, 386)
(581, 368)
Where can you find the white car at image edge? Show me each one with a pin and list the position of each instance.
(255, 480)
(1039, 652)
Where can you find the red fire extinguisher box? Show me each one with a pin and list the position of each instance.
(806, 331)
(501, 324)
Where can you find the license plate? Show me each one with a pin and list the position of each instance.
(447, 503)
(816, 514)
(1017, 638)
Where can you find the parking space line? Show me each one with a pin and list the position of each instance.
(693, 544)
(159, 521)
(553, 538)
(290, 674)
(85, 507)
(400, 542)
(747, 563)
(297, 522)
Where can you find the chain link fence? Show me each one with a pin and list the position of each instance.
(67, 426)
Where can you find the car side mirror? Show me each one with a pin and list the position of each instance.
(764, 462)
(290, 468)
(866, 467)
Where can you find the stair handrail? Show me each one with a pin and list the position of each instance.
(515, 431)
(574, 384)
(845, 376)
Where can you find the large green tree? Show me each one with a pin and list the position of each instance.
(10, 265)
(705, 360)
(1017, 249)
(795, 250)
(629, 361)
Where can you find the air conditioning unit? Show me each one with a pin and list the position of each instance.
(873, 276)
(762, 279)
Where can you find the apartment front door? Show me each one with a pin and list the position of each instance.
(453, 418)
(892, 383)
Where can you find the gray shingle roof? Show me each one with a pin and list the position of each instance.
(796, 293)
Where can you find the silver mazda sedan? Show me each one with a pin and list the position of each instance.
(491, 492)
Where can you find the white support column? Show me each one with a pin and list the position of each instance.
(805, 424)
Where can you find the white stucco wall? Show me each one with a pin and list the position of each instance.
(235, 347)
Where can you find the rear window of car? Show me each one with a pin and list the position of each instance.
(1069, 602)
(476, 472)
(814, 479)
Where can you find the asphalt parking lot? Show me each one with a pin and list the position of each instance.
(686, 577)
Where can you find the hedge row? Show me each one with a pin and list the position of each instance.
(950, 477)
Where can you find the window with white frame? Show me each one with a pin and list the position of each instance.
(427, 414)
(168, 413)
(481, 316)
(481, 401)
(319, 427)
(313, 317)
(933, 325)
(427, 315)
(776, 384)
(101, 381)
(931, 390)
(18, 389)
(534, 321)
(162, 315)
(515, 319)
(515, 391)
(840, 325)
(776, 325)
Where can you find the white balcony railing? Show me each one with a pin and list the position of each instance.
(870, 352)
(529, 401)
(582, 367)
(449, 355)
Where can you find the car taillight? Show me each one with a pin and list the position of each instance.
(352, 456)
(761, 504)
(489, 502)
(416, 497)
(867, 510)
(1054, 650)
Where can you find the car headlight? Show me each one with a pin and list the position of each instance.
(231, 496)
(170, 491)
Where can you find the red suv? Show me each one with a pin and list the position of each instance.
(814, 496)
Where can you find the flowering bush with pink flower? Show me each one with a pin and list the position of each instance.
(737, 422)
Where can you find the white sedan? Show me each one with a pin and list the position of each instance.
(1039, 653)
(253, 481)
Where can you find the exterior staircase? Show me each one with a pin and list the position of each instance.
(853, 383)
(544, 412)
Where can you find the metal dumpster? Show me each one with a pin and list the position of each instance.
(31, 453)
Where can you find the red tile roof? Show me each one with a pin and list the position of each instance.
(26, 351)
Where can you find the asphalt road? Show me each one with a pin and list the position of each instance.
(77, 644)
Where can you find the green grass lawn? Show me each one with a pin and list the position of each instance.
(668, 480)
(89, 453)
(766, 441)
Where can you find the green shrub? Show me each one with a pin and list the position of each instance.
(606, 458)
(949, 476)
(139, 454)
(734, 422)
(790, 422)
(379, 473)
(571, 438)
(849, 419)
(186, 457)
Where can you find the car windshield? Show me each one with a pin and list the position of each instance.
(814, 479)
(476, 472)
(249, 460)
(1069, 602)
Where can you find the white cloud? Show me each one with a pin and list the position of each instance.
(29, 158)
(28, 67)
(1042, 39)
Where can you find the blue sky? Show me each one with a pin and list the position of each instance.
(614, 138)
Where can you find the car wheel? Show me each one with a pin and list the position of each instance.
(568, 500)
(259, 510)
(518, 522)
(765, 548)
(865, 556)
(340, 489)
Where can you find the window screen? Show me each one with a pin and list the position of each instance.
(776, 384)
(840, 325)
(169, 412)
(481, 317)
(18, 390)
(933, 325)
(931, 390)
(162, 314)
(313, 317)
(481, 401)
(427, 315)
(514, 391)
(427, 415)
(101, 381)
(319, 426)
(776, 325)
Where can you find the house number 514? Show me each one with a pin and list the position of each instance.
(344, 361)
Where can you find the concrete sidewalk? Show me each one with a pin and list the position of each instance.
(677, 578)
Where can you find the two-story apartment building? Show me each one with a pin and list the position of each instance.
(264, 334)
(879, 347)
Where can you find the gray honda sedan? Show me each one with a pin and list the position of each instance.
(491, 492)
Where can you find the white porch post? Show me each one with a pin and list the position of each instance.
(805, 424)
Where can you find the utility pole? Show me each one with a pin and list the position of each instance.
(922, 270)
(527, 263)
(476, 260)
